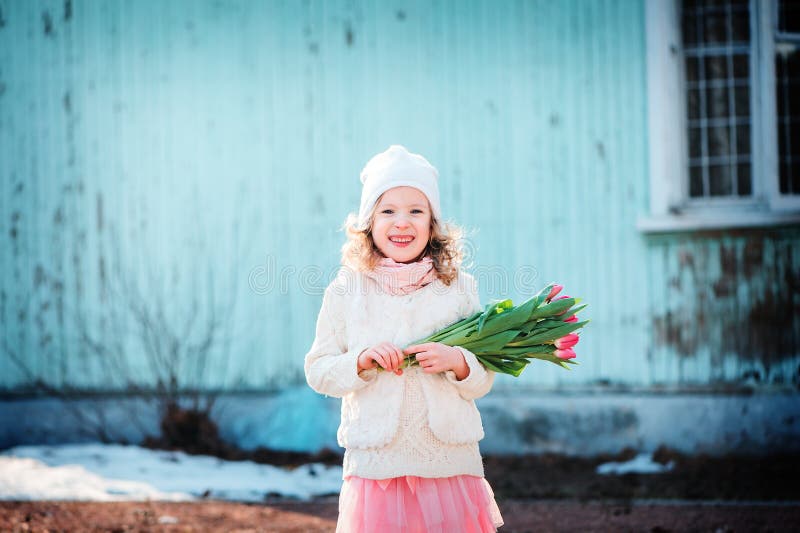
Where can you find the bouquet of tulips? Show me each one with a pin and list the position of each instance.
(505, 337)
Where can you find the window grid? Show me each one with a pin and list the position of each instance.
(719, 128)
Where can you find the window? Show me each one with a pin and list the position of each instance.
(716, 50)
(724, 113)
(787, 95)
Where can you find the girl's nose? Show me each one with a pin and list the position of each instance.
(401, 222)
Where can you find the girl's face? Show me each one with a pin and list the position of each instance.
(401, 225)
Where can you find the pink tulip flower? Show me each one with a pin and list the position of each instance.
(555, 290)
(573, 318)
(567, 341)
(567, 353)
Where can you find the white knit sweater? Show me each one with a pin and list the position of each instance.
(414, 424)
(415, 450)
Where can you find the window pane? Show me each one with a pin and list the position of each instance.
(795, 177)
(740, 24)
(742, 101)
(787, 87)
(692, 70)
(696, 182)
(794, 140)
(741, 66)
(714, 27)
(718, 141)
(716, 67)
(743, 139)
(789, 16)
(784, 169)
(693, 104)
(783, 139)
(744, 180)
(719, 180)
(695, 143)
(717, 101)
(781, 85)
(717, 53)
(689, 25)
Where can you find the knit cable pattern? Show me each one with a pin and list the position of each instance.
(415, 450)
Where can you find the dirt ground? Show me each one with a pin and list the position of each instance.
(693, 477)
(519, 515)
(535, 493)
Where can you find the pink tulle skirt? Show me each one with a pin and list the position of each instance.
(413, 504)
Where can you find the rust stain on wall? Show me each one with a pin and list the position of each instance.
(47, 22)
(725, 286)
(348, 34)
(741, 298)
(770, 332)
(675, 330)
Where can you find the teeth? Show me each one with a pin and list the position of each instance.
(401, 239)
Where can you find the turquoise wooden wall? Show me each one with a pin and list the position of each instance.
(174, 175)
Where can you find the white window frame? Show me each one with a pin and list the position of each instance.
(670, 207)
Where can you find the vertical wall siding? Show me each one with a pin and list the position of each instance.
(726, 311)
(194, 159)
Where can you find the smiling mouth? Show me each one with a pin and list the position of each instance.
(401, 240)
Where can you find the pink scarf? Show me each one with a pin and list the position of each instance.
(403, 278)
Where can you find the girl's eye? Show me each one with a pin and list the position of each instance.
(387, 211)
(416, 211)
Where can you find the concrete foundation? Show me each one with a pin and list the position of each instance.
(570, 423)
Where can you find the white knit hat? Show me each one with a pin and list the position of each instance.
(397, 167)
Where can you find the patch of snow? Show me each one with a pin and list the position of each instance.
(30, 479)
(104, 472)
(641, 464)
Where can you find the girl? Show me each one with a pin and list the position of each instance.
(411, 461)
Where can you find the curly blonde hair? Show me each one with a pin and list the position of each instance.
(360, 253)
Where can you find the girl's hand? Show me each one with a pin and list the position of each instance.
(385, 354)
(435, 357)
